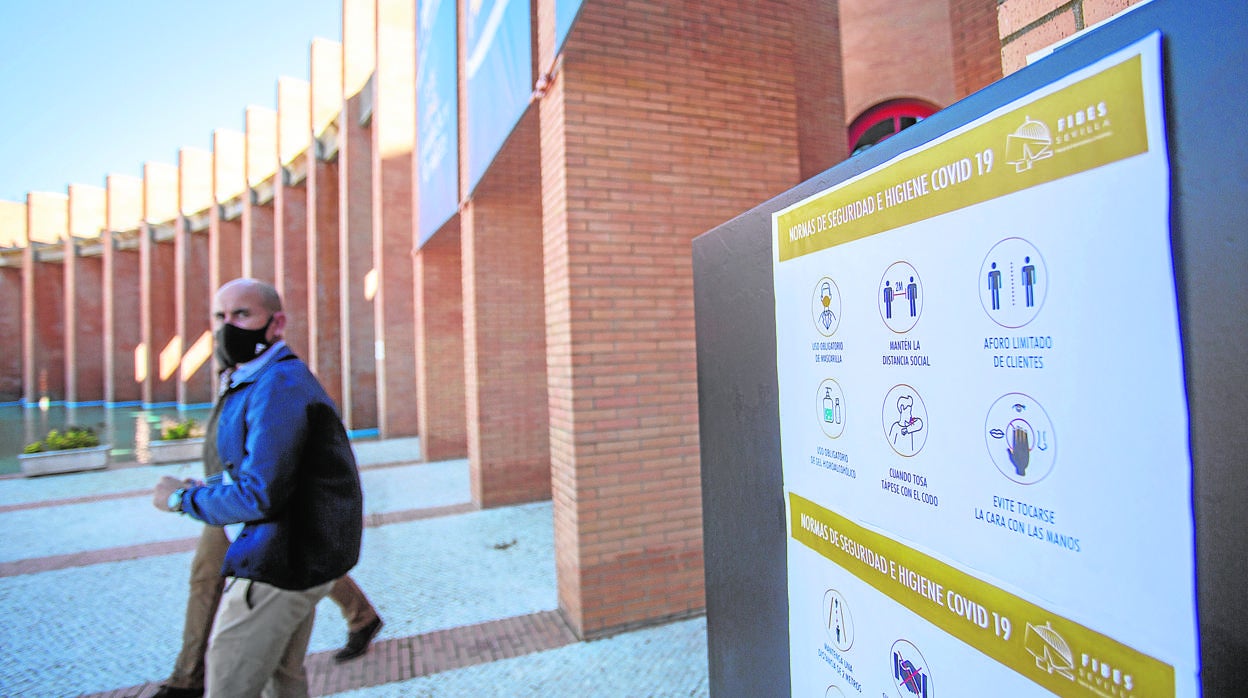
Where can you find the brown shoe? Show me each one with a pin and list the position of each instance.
(357, 642)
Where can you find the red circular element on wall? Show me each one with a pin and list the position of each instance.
(885, 119)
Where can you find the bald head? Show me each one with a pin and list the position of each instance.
(250, 304)
(264, 295)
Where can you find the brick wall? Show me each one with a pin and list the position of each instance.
(355, 219)
(84, 285)
(665, 119)
(902, 51)
(12, 240)
(440, 346)
(324, 320)
(156, 290)
(258, 216)
(121, 290)
(43, 295)
(505, 327)
(1027, 26)
(225, 229)
(394, 135)
(976, 46)
(290, 208)
(11, 334)
(821, 87)
(290, 223)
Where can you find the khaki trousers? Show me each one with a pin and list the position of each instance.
(201, 607)
(259, 639)
(355, 607)
(205, 594)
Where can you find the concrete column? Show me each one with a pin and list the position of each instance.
(505, 327)
(440, 346)
(225, 226)
(156, 284)
(324, 320)
(645, 146)
(12, 256)
(357, 276)
(43, 297)
(257, 217)
(122, 336)
(290, 208)
(394, 137)
(84, 296)
(193, 306)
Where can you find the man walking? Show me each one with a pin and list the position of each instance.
(289, 497)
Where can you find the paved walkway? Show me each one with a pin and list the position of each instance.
(93, 587)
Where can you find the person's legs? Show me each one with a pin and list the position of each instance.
(290, 680)
(206, 584)
(258, 628)
(363, 623)
(355, 606)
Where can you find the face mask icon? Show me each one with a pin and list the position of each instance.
(826, 306)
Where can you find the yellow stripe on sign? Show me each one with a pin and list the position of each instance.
(1054, 652)
(1094, 122)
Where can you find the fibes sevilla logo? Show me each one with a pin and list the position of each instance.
(910, 672)
(1034, 141)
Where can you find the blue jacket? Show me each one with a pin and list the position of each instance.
(295, 483)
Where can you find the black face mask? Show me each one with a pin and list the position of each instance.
(235, 345)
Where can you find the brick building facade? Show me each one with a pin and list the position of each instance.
(546, 330)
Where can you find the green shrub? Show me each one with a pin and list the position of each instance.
(72, 437)
(184, 429)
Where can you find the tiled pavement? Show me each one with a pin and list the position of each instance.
(93, 583)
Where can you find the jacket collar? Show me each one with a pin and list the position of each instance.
(246, 372)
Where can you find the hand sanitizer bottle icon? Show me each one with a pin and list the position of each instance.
(829, 406)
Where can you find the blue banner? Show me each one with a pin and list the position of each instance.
(437, 116)
(565, 15)
(500, 77)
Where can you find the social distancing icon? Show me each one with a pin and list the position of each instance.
(1013, 282)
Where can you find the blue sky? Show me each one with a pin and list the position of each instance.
(95, 87)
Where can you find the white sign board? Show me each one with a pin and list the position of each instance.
(983, 418)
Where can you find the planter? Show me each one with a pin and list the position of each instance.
(67, 461)
(176, 450)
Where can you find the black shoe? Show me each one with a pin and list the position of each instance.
(175, 692)
(357, 642)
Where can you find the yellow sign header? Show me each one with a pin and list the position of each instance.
(1055, 652)
(1091, 123)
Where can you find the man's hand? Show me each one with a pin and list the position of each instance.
(166, 487)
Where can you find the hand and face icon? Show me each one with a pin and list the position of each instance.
(1020, 438)
(907, 434)
(1019, 449)
(905, 411)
